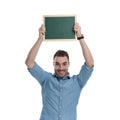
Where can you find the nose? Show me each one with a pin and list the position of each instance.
(61, 66)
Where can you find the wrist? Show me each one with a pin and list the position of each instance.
(80, 37)
(41, 37)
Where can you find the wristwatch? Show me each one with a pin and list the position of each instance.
(81, 37)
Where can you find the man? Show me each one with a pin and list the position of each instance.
(60, 92)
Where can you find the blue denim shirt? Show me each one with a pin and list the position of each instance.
(60, 95)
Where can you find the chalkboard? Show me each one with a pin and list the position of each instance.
(59, 27)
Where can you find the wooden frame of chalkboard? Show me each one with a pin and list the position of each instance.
(59, 27)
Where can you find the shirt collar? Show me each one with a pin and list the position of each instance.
(64, 78)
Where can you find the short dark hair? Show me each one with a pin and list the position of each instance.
(61, 53)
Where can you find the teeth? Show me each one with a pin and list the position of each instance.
(61, 71)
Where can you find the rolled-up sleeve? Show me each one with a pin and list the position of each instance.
(84, 75)
(38, 73)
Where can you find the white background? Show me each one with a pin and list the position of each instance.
(20, 94)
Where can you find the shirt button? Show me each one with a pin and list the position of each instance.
(60, 98)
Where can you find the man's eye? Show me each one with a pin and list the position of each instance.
(65, 63)
(56, 64)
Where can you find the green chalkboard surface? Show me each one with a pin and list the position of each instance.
(59, 27)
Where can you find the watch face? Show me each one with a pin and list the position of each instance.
(81, 37)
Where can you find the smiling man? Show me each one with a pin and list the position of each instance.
(61, 63)
(60, 91)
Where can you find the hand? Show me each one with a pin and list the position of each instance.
(42, 31)
(77, 30)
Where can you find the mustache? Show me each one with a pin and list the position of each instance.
(61, 70)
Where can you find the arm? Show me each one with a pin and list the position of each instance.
(86, 51)
(30, 60)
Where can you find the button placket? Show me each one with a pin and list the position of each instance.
(60, 101)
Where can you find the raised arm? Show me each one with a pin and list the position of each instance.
(86, 51)
(30, 60)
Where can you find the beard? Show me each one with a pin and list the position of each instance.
(61, 73)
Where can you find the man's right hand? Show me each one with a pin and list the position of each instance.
(42, 31)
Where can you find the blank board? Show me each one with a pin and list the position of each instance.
(59, 27)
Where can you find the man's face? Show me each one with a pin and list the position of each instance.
(61, 65)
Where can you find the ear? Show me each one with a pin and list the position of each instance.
(69, 63)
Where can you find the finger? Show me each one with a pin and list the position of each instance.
(76, 23)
